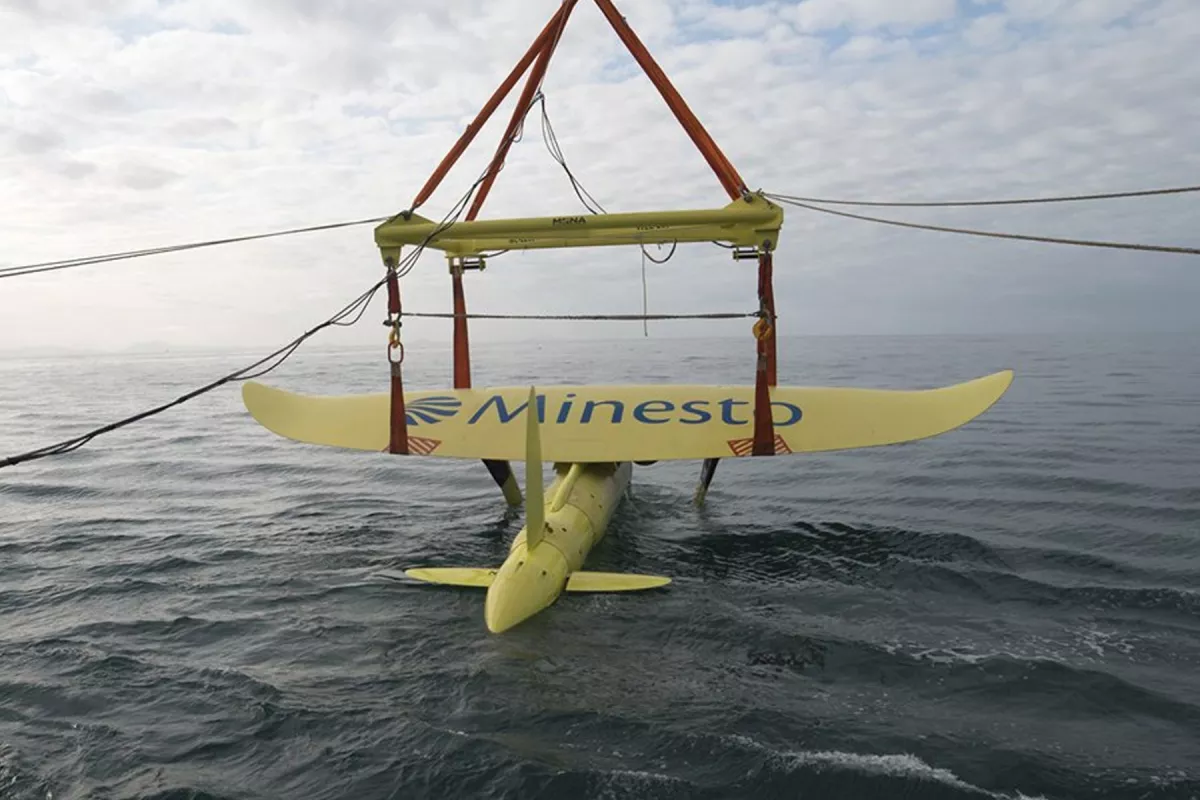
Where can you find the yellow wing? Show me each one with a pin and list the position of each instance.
(625, 423)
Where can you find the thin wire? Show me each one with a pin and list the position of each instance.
(356, 307)
(618, 317)
(70, 263)
(357, 316)
(552, 144)
(243, 374)
(667, 257)
(1193, 251)
(519, 133)
(586, 198)
(1021, 201)
(589, 202)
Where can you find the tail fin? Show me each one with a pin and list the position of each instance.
(535, 501)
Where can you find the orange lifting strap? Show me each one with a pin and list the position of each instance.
(538, 55)
(765, 373)
(398, 443)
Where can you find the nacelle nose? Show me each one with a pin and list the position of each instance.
(526, 583)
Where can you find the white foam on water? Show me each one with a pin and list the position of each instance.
(656, 778)
(619, 782)
(950, 655)
(893, 765)
(1103, 643)
(897, 765)
(1070, 645)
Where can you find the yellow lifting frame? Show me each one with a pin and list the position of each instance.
(750, 221)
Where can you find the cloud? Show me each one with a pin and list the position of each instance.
(144, 176)
(136, 124)
(76, 169)
(35, 143)
(823, 15)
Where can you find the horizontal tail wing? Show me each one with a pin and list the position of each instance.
(625, 423)
(613, 582)
(480, 578)
(454, 576)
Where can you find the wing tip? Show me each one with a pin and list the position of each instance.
(1003, 379)
(253, 390)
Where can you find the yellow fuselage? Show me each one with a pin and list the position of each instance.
(579, 504)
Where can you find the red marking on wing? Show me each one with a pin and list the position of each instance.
(744, 447)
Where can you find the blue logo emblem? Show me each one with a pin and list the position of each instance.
(431, 410)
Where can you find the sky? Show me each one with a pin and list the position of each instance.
(132, 123)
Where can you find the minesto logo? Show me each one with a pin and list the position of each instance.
(648, 412)
(431, 410)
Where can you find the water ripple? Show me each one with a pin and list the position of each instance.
(194, 608)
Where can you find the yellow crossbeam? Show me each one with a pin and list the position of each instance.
(752, 221)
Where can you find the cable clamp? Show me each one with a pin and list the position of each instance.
(762, 327)
(464, 263)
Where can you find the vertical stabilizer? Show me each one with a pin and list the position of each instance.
(535, 501)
